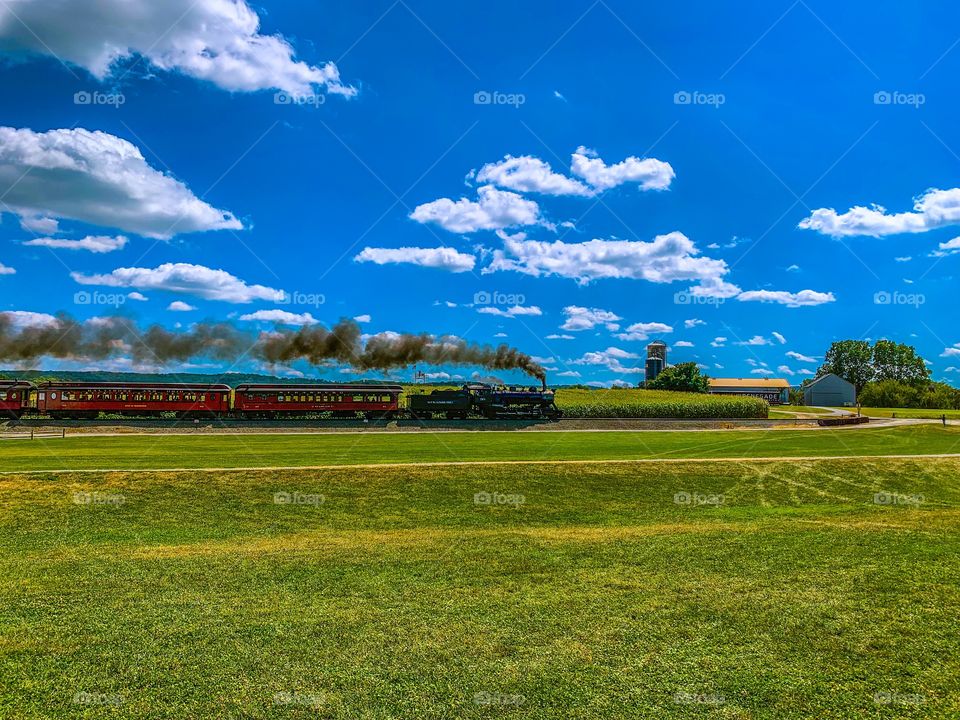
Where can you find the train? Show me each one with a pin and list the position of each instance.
(90, 400)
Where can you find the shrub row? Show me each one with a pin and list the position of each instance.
(626, 403)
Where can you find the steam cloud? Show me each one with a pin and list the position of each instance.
(105, 338)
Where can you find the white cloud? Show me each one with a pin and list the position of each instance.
(183, 278)
(719, 342)
(933, 209)
(780, 338)
(444, 258)
(213, 40)
(554, 336)
(651, 174)
(756, 340)
(139, 297)
(800, 358)
(280, 317)
(666, 259)
(804, 298)
(683, 344)
(92, 243)
(514, 311)
(99, 179)
(493, 210)
(785, 370)
(905, 259)
(6, 270)
(612, 358)
(40, 225)
(569, 373)
(951, 247)
(180, 306)
(24, 318)
(581, 318)
(501, 335)
(793, 268)
(642, 331)
(761, 371)
(692, 323)
(806, 372)
(951, 351)
(361, 318)
(530, 174)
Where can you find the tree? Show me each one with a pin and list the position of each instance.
(850, 359)
(896, 361)
(685, 377)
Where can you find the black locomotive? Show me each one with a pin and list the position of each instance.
(488, 401)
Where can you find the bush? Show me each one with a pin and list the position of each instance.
(629, 403)
(925, 396)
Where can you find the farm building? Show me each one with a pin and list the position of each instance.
(775, 392)
(830, 391)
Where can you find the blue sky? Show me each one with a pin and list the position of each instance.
(699, 174)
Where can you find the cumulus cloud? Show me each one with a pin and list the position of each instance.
(183, 278)
(555, 336)
(280, 317)
(91, 243)
(180, 306)
(24, 318)
(951, 351)
(581, 318)
(651, 174)
(361, 318)
(692, 323)
(40, 225)
(443, 258)
(569, 373)
(799, 357)
(139, 297)
(785, 370)
(213, 40)
(530, 174)
(951, 247)
(804, 298)
(97, 178)
(666, 259)
(933, 209)
(683, 344)
(510, 312)
(493, 210)
(6, 270)
(612, 358)
(756, 340)
(761, 371)
(642, 331)
(780, 338)
(719, 342)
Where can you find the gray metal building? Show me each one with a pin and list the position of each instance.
(830, 391)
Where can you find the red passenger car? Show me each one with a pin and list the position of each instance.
(339, 401)
(87, 400)
(14, 397)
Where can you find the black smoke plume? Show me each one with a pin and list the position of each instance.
(105, 338)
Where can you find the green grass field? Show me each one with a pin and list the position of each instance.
(276, 450)
(745, 589)
(911, 413)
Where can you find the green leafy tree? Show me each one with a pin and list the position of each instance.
(685, 377)
(899, 362)
(850, 359)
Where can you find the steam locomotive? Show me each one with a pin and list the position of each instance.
(87, 401)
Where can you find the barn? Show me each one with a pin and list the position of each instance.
(774, 391)
(830, 391)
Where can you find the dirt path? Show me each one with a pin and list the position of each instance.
(491, 463)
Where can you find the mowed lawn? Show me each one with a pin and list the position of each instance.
(277, 450)
(751, 589)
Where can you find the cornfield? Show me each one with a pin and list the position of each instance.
(628, 403)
